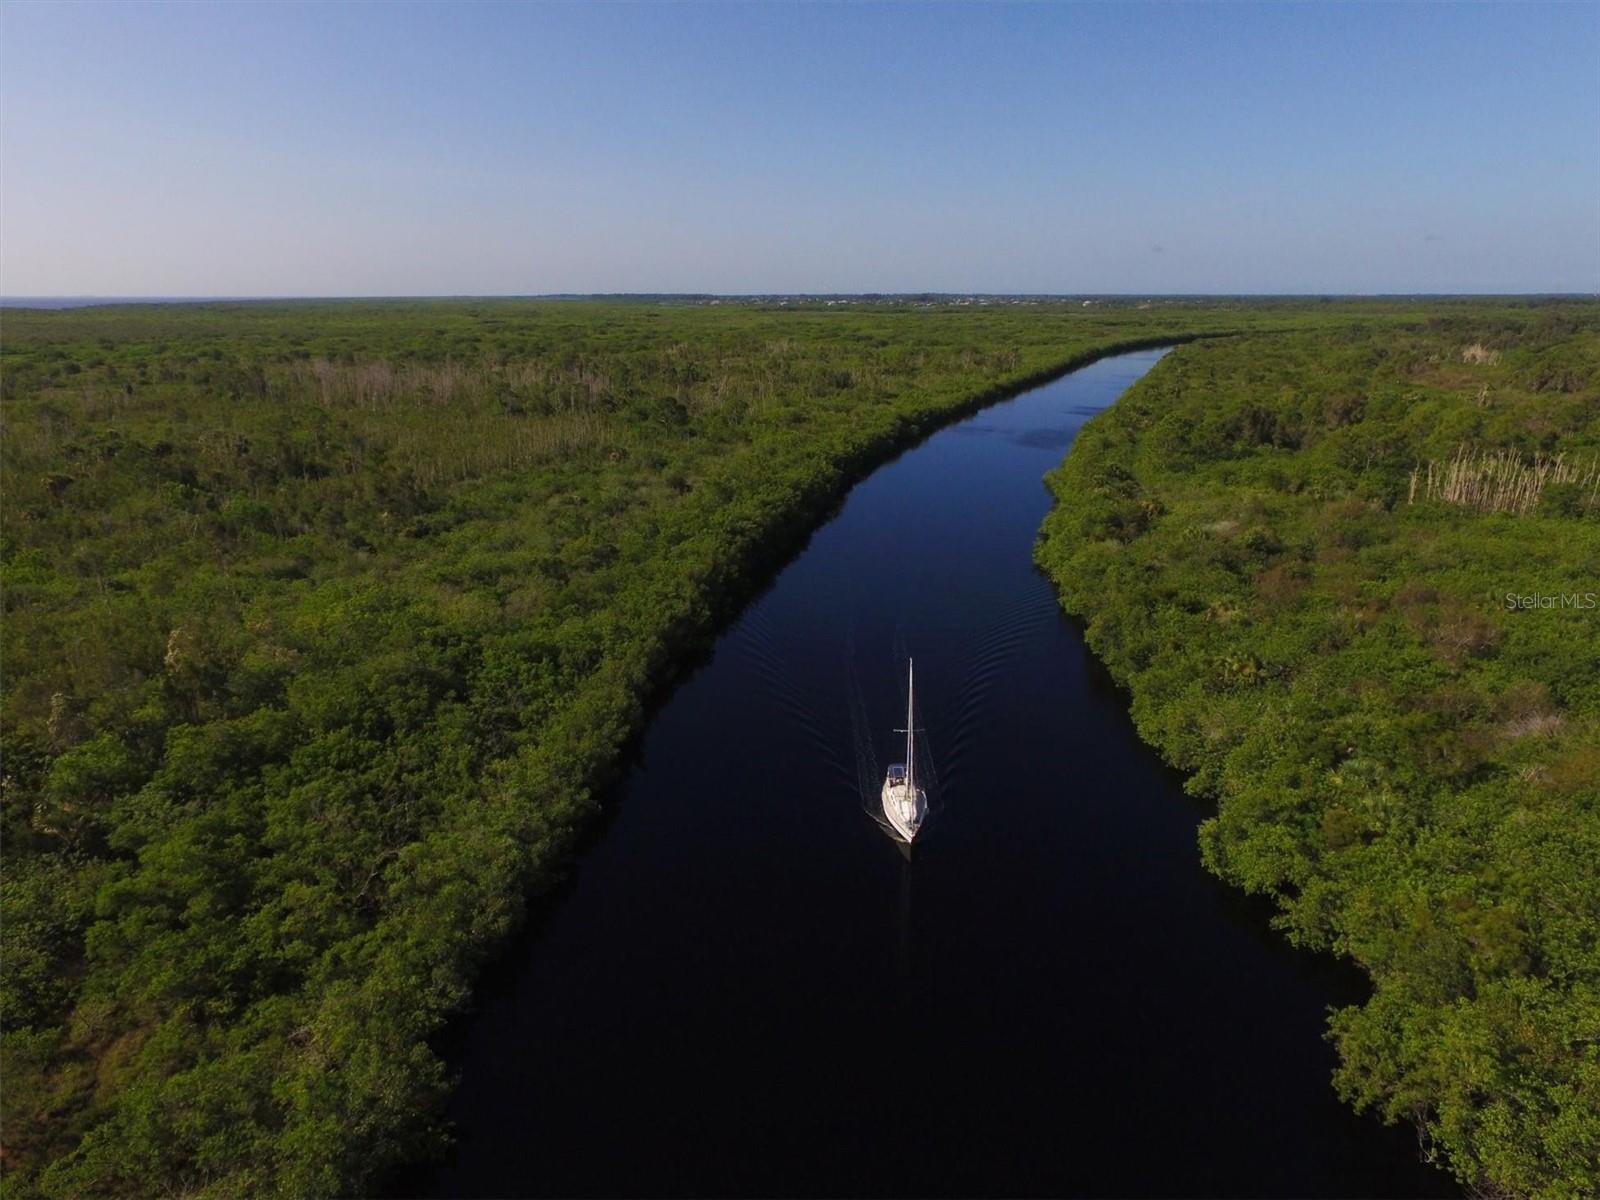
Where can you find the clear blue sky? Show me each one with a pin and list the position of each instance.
(275, 149)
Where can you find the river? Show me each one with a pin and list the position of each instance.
(747, 989)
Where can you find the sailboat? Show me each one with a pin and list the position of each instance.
(905, 805)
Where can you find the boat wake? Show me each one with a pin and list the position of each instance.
(993, 654)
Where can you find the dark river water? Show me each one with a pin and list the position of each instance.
(747, 989)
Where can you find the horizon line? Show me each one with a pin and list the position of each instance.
(194, 298)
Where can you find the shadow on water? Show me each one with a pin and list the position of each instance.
(1343, 981)
(746, 987)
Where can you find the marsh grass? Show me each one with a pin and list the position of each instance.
(1504, 481)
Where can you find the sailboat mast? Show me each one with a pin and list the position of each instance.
(911, 725)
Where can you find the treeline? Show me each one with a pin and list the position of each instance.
(1391, 694)
(324, 622)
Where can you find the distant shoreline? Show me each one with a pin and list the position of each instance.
(59, 302)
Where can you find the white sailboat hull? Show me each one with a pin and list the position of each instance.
(904, 808)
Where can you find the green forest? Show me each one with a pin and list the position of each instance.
(325, 624)
(1350, 579)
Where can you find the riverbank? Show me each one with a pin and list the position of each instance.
(1398, 757)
